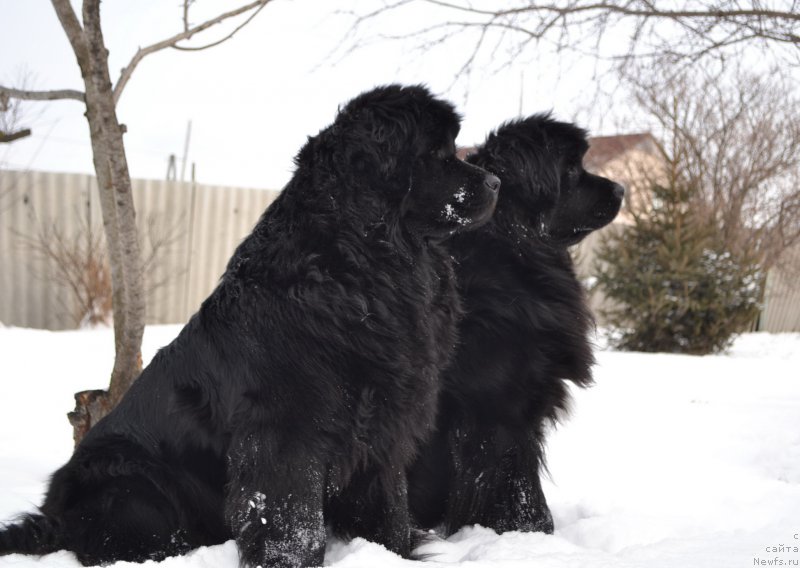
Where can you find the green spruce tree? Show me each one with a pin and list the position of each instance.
(673, 284)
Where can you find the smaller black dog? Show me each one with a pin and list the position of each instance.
(524, 333)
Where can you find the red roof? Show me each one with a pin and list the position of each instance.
(464, 151)
(603, 149)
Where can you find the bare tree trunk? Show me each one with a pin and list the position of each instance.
(116, 201)
(119, 218)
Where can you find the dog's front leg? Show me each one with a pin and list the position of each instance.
(274, 505)
(497, 483)
(374, 506)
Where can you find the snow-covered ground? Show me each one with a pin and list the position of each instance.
(669, 461)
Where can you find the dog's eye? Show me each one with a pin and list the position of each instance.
(444, 152)
(573, 172)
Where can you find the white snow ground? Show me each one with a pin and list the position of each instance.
(669, 461)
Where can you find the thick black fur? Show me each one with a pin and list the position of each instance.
(524, 334)
(298, 393)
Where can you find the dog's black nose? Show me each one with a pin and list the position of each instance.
(618, 191)
(491, 182)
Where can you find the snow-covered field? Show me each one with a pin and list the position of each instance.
(669, 461)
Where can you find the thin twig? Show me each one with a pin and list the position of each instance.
(141, 53)
(226, 38)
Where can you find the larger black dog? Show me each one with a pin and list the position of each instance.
(524, 334)
(300, 390)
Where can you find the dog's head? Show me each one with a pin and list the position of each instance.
(394, 148)
(547, 194)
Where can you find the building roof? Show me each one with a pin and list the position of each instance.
(603, 149)
(463, 151)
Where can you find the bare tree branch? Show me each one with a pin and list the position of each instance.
(227, 37)
(685, 29)
(186, 5)
(43, 95)
(647, 10)
(188, 32)
(74, 31)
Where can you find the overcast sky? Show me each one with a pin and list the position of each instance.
(253, 100)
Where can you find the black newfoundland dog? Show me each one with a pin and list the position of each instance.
(524, 334)
(299, 392)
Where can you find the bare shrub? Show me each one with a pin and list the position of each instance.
(79, 262)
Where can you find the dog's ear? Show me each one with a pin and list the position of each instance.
(522, 160)
(373, 142)
(385, 129)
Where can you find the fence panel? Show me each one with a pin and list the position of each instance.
(782, 297)
(188, 232)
